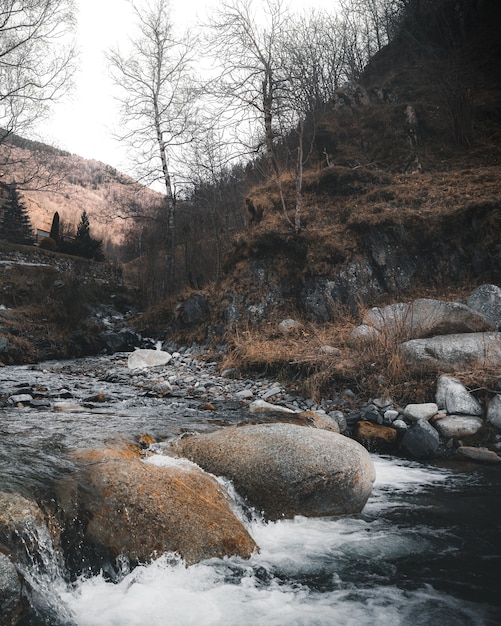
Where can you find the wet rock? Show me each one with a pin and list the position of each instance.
(371, 414)
(24, 527)
(453, 396)
(10, 592)
(420, 440)
(17, 513)
(144, 358)
(375, 437)
(452, 353)
(4, 345)
(494, 411)
(479, 454)
(458, 426)
(122, 341)
(40, 403)
(142, 509)
(425, 411)
(286, 470)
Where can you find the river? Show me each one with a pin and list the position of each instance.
(425, 550)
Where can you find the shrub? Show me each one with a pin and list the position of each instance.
(48, 244)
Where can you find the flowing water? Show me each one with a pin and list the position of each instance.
(425, 550)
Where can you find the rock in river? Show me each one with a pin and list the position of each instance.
(142, 509)
(286, 470)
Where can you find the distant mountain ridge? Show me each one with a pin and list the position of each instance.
(53, 180)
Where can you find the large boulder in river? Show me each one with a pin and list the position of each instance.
(142, 509)
(452, 353)
(286, 470)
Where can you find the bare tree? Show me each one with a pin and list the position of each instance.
(315, 54)
(216, 194)
(245, 42)
(157, 102)
(36, 64)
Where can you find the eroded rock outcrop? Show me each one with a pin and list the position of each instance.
(286, 470)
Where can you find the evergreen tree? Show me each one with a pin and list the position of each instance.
(54, 229)
(16, 224)
(84, 244)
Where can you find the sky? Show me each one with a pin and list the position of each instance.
(83, 123)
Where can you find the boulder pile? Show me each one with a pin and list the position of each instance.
(443, 338)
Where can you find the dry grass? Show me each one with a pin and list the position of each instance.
(374, 369)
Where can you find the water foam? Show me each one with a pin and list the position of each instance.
(309, 572)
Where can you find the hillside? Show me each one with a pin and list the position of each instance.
(53, 180)
(401, 199)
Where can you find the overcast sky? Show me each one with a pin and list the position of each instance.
(83, 124)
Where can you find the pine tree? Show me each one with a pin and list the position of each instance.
(84, 244)
(16, 225)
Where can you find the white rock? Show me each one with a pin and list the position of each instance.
(453, 396)
(144, 358)
(426, 318)
(486, 300)
(364, 334)
(390, 415)
(20, 398)
(453, 353)
(458, 425)
(424, 411)
(260, 406)
(271, 392)
(245, 394)
(494, 411)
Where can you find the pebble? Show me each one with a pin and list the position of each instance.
(109, 380)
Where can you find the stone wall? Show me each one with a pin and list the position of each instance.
(88, 271)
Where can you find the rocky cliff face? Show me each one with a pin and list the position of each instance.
(390, 252)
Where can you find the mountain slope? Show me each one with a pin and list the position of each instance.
(52, 180)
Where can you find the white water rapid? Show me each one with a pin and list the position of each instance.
(341, 571)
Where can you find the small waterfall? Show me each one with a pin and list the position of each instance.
(41, 568)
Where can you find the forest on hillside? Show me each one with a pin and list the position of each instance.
(288, 95)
